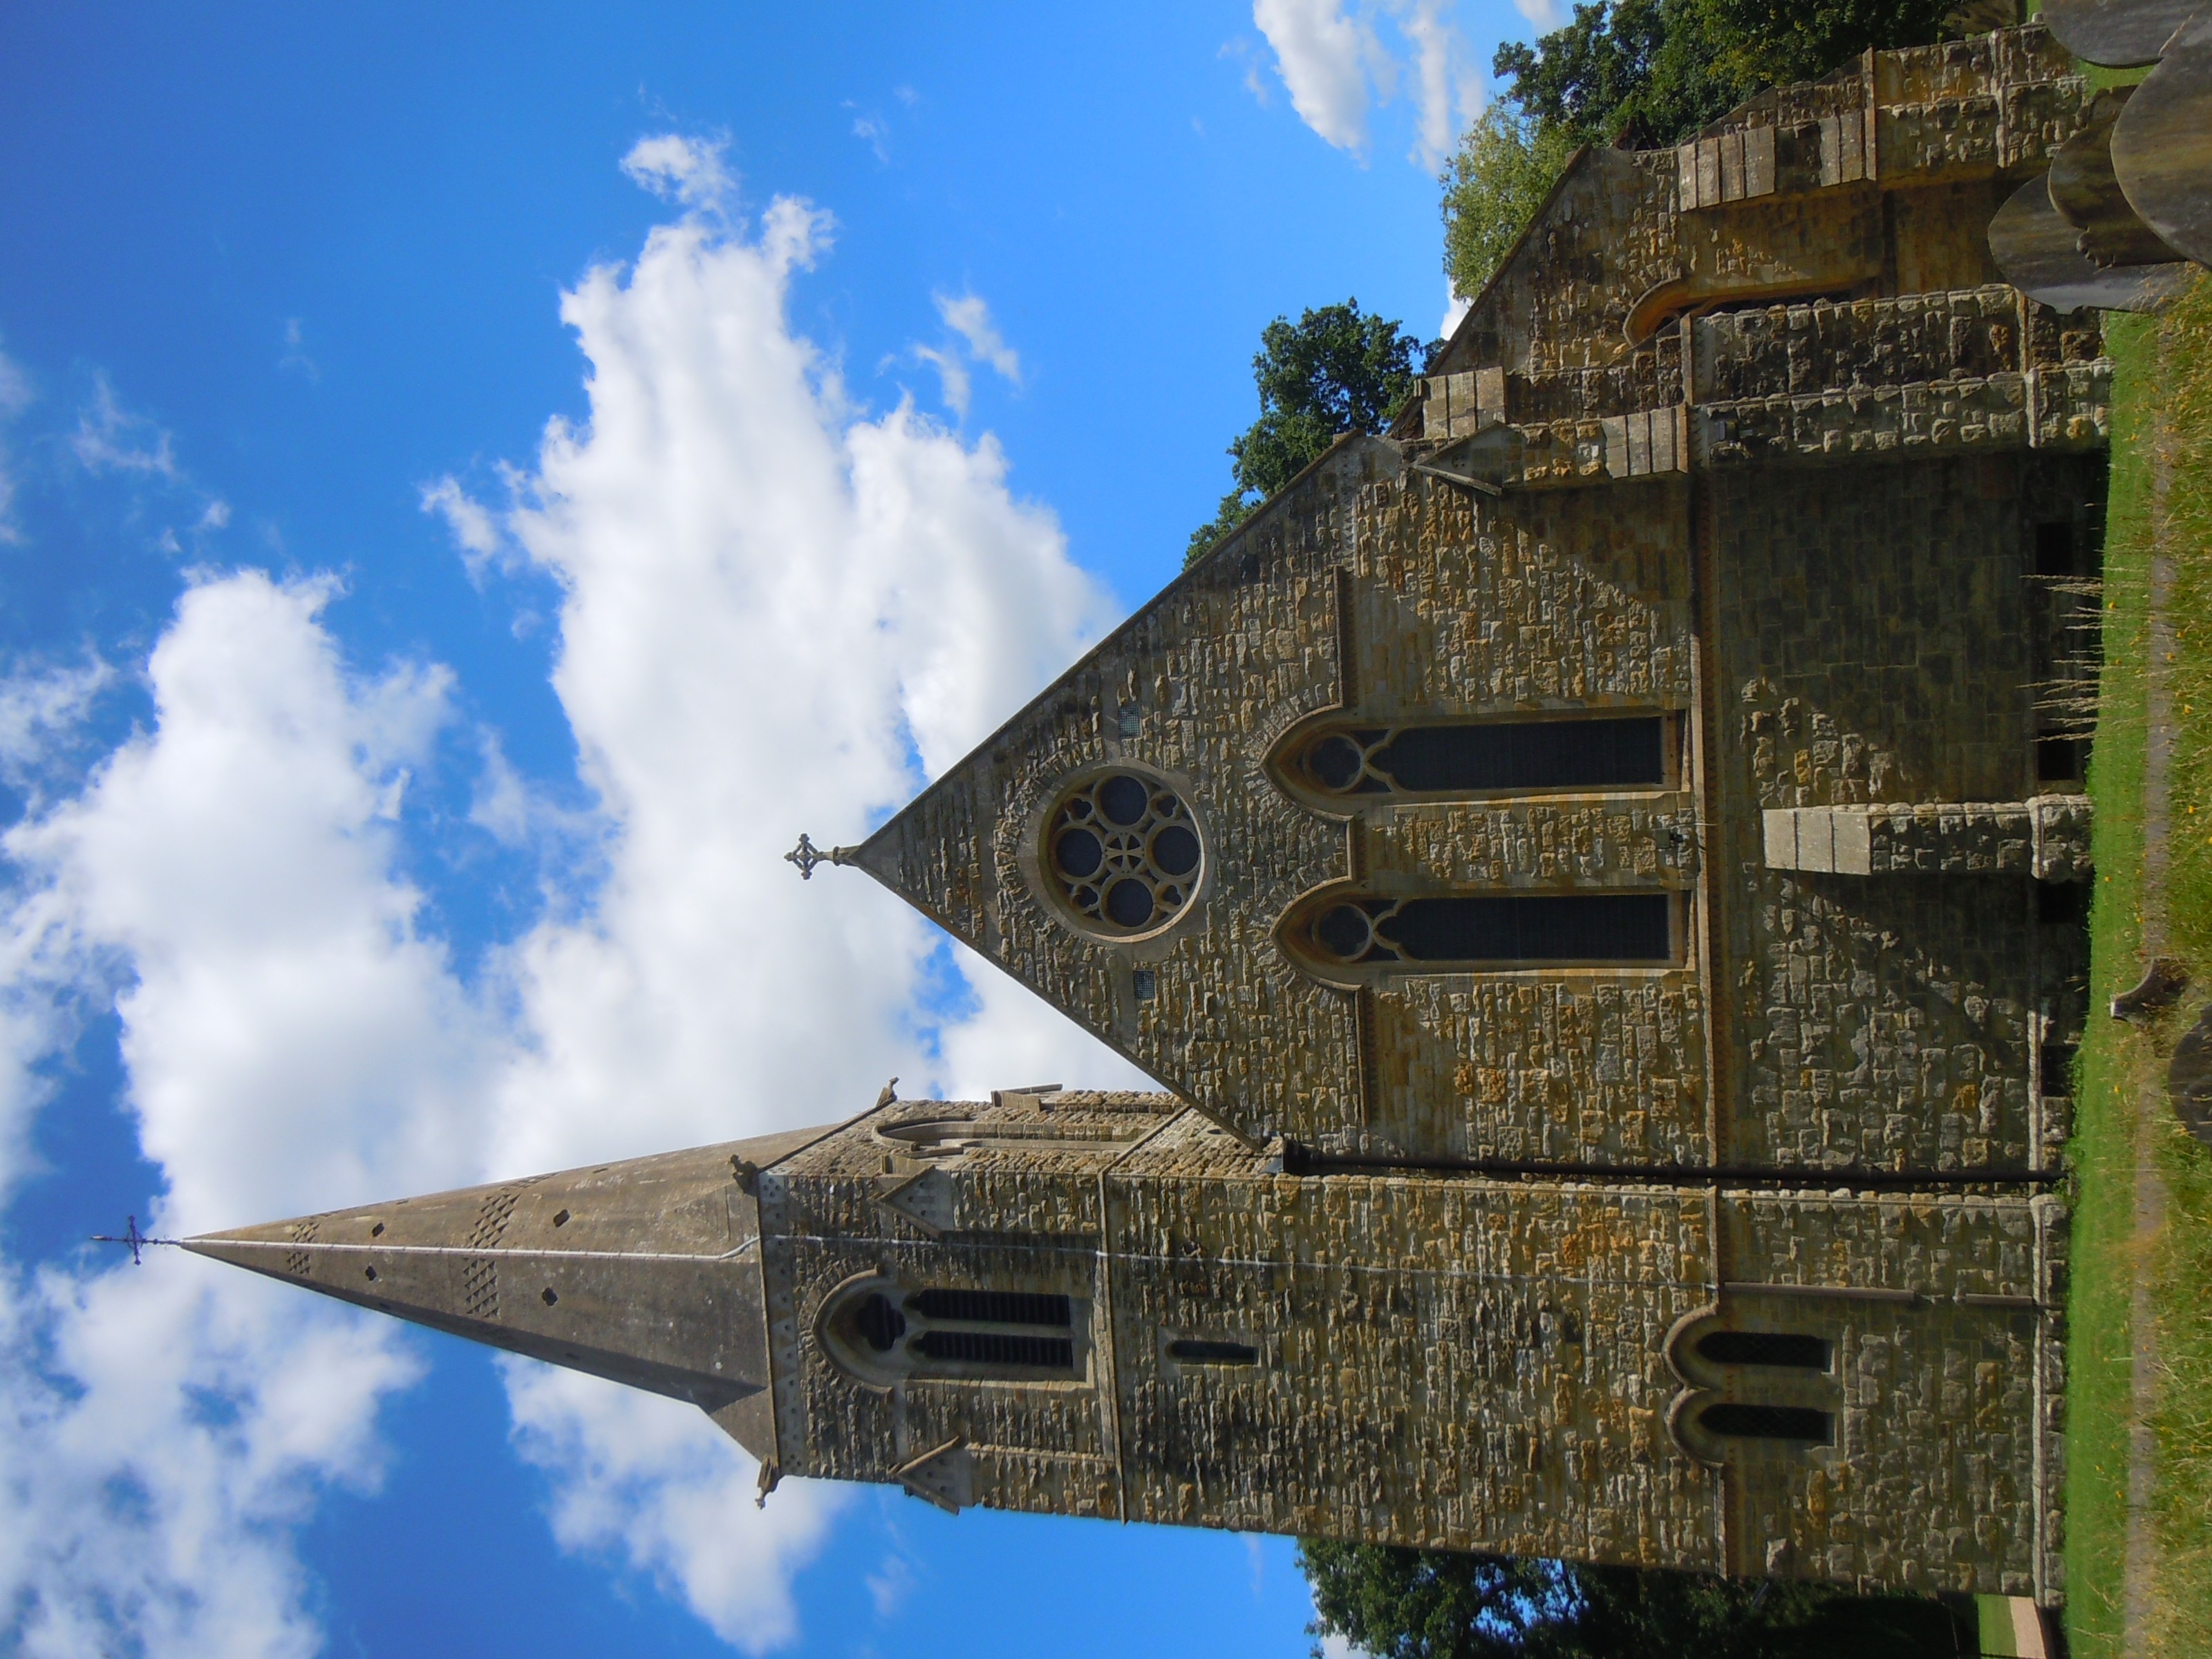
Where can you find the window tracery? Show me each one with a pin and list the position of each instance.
(1462, 932)
(1466, 759)
(1121, 853)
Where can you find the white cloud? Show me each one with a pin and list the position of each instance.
(1457, 305)
(635, 1478)
(970, 319)
(110, 439)
(1446, 91)
(1323, 54)
(293, 1042)
(777, 612)
(38, 707)
(874, 132)
(1332, 60)
(468, 521)
(690, 171)
(956, 387)
(1546, 14)
(770, 603)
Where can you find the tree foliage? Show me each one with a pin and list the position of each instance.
(1504, 168)
(1437, 1604)
(1654, 72)
(1337, 369)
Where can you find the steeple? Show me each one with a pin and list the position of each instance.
(646, 1271)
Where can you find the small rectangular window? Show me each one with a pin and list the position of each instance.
(2056, 1063)
(2063, 903)
(1197, 1351)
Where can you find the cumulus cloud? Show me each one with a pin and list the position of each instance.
(293, 1042)
(778, 611)
(1333, 61)
(778, 614)
(635, 1481)
(773, 610)
(1322, 54)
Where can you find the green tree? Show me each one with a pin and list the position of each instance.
(1437, 1604)
(1504, 168)
(1337, 369)
(1644, 72)
(1654, 72)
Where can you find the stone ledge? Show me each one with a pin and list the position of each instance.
(2064, 408)
(2047, 837)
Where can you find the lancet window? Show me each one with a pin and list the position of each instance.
(1777, 1349)
(1462, 932)
(1736, 1420)
(1463, 759)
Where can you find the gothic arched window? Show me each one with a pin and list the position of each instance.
(1733, 1419)
(1466, 759)
(1779, 1350)
(1465, 932)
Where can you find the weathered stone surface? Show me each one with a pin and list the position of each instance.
(2047, 837)
(1744, 1009)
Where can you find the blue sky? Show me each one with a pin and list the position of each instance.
(474, 483)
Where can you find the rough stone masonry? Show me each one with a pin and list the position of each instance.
(1597, 875)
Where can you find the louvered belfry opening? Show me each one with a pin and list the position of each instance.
(999, 1348)
(1022, 1333)
(995, 1307)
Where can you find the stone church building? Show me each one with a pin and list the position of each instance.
(1598, 873)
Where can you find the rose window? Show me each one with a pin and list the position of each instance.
(1122, 852)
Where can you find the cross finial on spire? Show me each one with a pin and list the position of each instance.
(807, 855)
(131, 1236)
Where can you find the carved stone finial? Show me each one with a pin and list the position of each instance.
(807, 855)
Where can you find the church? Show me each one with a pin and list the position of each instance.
(1598, 873)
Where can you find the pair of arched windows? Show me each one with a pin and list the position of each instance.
(1354, 934)
(1760, 1359)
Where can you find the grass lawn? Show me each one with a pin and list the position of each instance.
(2163, 396)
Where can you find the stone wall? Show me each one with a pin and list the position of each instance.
(1452, 1364)
(1899, 1022)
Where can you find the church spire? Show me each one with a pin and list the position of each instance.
(646, 1271)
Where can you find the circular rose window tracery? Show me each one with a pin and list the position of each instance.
(1122, 852)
